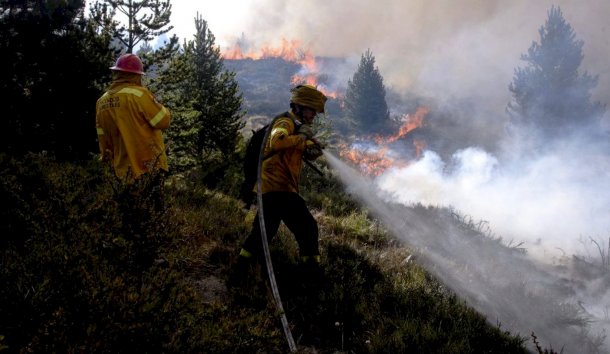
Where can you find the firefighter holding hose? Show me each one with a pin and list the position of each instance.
(290, 140)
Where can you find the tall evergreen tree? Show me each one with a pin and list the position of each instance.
(205, 101)
(55, 65)
(365, 101)
(144, 19)
(550, 97)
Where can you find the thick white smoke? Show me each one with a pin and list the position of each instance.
(509, 287)
(554, 204)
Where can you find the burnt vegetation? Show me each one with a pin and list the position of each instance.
(90, 264)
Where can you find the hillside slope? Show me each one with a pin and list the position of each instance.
(88, 266)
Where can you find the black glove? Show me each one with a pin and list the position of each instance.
(313, 150)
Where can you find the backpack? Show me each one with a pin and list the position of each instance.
(250, 166)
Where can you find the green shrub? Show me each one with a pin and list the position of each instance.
(83, 263)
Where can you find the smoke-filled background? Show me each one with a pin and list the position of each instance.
(461, 50)
(566, 307)
(461, 55)
(442, 48)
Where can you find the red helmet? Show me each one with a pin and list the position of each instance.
(129, 63)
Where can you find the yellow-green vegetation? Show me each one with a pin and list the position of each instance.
(89, 264)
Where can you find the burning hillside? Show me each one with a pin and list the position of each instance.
(266, 75)
(373, 155)
(290, 51)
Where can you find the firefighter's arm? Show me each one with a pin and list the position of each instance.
(283, 137)
(157, 115)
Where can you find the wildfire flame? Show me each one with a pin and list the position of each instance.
(411, 122)
(371, 162)
(291, 51)
(288, 50)
(374, 162)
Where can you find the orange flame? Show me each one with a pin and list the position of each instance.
(375, 163)
(411, 122)
(290, 51)
(369, 163)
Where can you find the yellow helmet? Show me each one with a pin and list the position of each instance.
(308, 96)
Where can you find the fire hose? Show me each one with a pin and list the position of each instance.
(313, 167)
(261, 219)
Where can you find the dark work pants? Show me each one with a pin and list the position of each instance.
(291, 209)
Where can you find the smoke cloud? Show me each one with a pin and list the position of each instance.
(442, 48)
(566, 312)
(552, 204)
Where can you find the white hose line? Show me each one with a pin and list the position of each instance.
(261, 219)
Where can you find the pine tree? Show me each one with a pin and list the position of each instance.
(145, 19)
(206, 104)
(549, 95)
(56, 63)
(365, 101)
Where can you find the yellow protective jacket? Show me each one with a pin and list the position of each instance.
(129, 121)
(281, 171)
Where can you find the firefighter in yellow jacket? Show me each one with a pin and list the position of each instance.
(129, 122)
(290, 140)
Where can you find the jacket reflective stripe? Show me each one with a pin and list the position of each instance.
(131, 91)
(315, 259)
(158, 117)
(100, 131)
(281, 172)
(128, 138)
(279, 130)
(245, 253)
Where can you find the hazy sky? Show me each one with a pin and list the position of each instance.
(440, 47)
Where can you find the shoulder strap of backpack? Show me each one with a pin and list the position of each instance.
(283, 115)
